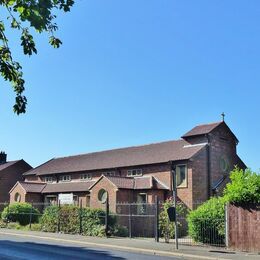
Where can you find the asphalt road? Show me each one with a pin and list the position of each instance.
(12, 247)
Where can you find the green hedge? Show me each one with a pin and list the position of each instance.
(20, 212)
(207, 222)
(67, 218)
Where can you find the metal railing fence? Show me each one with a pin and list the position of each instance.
(146, 220)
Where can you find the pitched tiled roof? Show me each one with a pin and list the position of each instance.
(7, 164)
(32, 187)
(67, 187)
(202, 129)
(143, 183)
(131, 156)
(138, 183)
(146, 182)
(121, 182)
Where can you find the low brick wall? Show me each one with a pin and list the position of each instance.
(244, 227)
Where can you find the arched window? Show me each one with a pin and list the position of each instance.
(224, 164)
(102, 195)
(17, 197)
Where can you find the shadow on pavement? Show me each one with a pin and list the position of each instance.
(30, 250)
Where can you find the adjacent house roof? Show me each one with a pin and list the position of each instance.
(7, 164)
(124, 157)
(202, 129)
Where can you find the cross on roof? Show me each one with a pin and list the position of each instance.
(223, 116)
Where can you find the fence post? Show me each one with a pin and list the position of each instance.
(175, 204)
(156, 219)
(130, 221)
(107, 216)
(7, 218)
(59, 216)
(226, 225)
(80, 217)
(31, 216)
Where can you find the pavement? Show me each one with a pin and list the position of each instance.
(16, 244)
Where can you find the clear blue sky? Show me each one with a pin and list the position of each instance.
(136, 72)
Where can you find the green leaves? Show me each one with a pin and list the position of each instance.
(14, 24)
(27, 43)
(39, 15)
(55, 42)
(207, 222)
(20, 212)
(66, 5)
(244, 187)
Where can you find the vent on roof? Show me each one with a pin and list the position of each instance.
(3, 157)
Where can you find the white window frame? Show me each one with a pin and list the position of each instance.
(110, 173)
(85, 176)
(184, 184)
(65, 178)
(48, 179)
(130, 173)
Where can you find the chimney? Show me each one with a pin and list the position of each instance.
(3, 157)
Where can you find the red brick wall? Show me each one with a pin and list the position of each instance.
(21, 191)
(112, 193)
(222, 145)
(125, 196)
(196, 139)
(199, 179)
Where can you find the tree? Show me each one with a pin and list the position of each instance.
(244, 187)
(24, 15)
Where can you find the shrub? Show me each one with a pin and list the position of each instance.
(2, 224)
(68, 219)
(49, 219)
(34, 227)
(167, 228)
(14, 225)
(120, 231)
(93, 222)
(207, 222)
(244, 187)
(20, 212)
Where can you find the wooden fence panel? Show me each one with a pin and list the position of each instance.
(244, 227)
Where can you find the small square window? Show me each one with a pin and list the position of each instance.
(65, 178)
(134, 172)
(48, 179)
(85, 176)
(110, 173)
